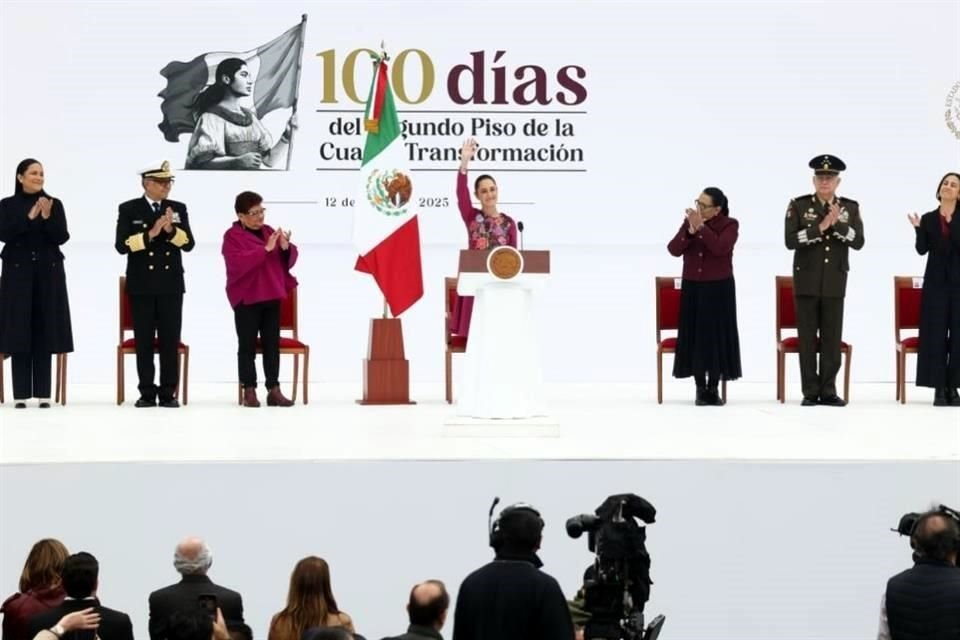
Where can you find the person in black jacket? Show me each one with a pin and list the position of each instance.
(510, 598)
(923, 603)
(938, 237)
(192, 559)
(80, 580)
(34, 310)
(427, 609)
(152, 231)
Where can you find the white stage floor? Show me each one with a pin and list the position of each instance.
(587, 422)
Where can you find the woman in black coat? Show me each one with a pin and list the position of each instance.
(938, 237)
(34, 312)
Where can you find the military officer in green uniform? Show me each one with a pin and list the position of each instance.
(820, 229)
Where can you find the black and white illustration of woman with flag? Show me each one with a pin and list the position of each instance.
(220, 98)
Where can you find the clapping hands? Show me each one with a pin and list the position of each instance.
(914, 219)
(694, 220)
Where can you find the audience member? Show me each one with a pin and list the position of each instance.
(310, 603)
(40, 588)
(427, 609)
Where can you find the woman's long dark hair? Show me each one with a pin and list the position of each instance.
(213, 94)
(22, 168)
(719, 200)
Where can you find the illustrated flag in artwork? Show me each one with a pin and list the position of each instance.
(385, 228)
(275, 67)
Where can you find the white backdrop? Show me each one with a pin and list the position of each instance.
(678, 96)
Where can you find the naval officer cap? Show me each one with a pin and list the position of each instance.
(162, 172)
(827, 165)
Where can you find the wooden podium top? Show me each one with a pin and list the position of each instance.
(475, 261)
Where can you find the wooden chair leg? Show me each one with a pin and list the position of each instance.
(184, 381)
(63, 380)
(306, 378)
(897, 354)
(659, 377)
(449, 375)
(723, 391)
(846, 376)
(901, 374)
(2, 357)
(781, 377)
(119, 376)
(296, 375)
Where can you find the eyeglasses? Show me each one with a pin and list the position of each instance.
(162, 181)
(703, 205)
(255, 212)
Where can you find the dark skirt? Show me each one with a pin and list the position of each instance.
(707, 339)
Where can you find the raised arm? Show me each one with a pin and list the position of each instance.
(463, 190)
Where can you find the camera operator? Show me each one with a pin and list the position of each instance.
(923, 603)
(510, 598)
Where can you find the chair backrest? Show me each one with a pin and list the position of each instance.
(288, 313)
(668, 303)
(449, 300)
(907, 293)
(786, 310)
(123, 304)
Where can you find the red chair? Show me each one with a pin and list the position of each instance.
(291, 345)
(60, 390)
(787, 319)
(127, 346)
(668, 319)
(454, 343)
(907, 293)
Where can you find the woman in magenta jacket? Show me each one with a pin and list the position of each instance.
(258, 259)
(708, 344)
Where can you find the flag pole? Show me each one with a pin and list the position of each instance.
(296, 99)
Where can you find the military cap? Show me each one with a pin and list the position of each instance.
(161, 173)
(827, 165)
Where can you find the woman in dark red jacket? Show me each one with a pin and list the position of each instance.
(708, 344)
(40, 588)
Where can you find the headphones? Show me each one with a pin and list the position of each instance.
(494, 527)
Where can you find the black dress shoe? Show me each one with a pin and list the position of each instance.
(701, 400)
(170, 403)
(953, 397)
(20, 405)
(44, 405)
(145, 402)
(809, 402)
(833, 401)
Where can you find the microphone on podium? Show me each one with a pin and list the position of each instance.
(520, 229)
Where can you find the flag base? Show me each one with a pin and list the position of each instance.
(386, 372)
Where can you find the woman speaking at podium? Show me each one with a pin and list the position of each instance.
(487, 227)
(708, 344)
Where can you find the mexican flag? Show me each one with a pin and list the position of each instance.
(385, 230)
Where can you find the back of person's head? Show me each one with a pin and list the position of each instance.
(327, 633)
(428, 604)
(192, 557)
(194, 624)
(44, 565)
(80, 574)
(310, 599)
(519, 529)
(239, 631)
(936, 536)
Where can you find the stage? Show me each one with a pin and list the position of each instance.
(586, 422)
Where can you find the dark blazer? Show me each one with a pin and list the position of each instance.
(154, 267)
(820, 260)
(114, 625)
(184, 596)
(943, 254)
(708, 255)
(416, 632)
(32, 261)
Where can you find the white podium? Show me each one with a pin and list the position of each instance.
(501, 375)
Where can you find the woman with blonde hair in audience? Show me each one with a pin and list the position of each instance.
(40, 588)
(310, 603)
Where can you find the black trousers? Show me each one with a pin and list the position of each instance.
(251, 319)
(160, 316)
(819, 319)
(31, 375)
